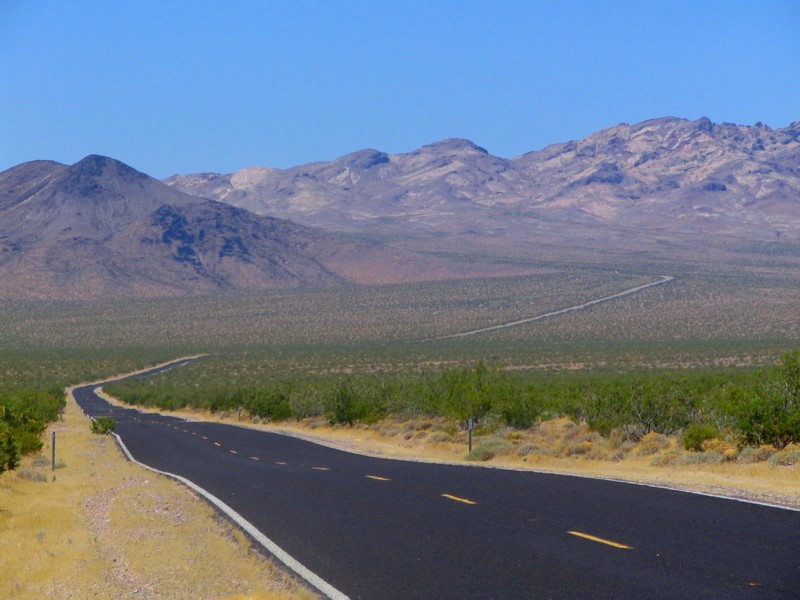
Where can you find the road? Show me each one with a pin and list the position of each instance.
(387, 529)
(661, 281)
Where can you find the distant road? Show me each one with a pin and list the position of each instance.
(381, 529)
(664, 279)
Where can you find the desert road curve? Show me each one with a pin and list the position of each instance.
(661, 281)
(376, 529)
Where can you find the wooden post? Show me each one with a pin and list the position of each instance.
(54, 451)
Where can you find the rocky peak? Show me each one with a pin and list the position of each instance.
(454, 146)
(365, 159)
(95, 165)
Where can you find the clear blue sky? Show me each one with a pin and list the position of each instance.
(189, 86)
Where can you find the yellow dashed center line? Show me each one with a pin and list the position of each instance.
(254, 458)
(279, 462)
(204, 437)
(457, 499)
(377, 478)
(586, 536)
(217, 444)
(320, 468)
(233, 451)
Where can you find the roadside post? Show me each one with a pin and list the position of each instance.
(54, 451)
(470, 425)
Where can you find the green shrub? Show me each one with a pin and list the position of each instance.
(659, 404)
(695, 435)
(103, 425)
(518, 411)
(269, 403)
(768, 411)
(490, 448)
(9, 453)
(344, 405)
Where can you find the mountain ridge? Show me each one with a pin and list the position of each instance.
(101, 228)
(689, 173)
(663, 191)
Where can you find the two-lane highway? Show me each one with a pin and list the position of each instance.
(376, 528)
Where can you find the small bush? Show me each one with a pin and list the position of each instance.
(480, 454)
(524, 449)
(665, 459)
(652, 443)
(103, 425)
(619, 438)
(695, 435)
(727, 451)
(749, 454)
(388, 430)
(490, 448)
(439, 437)
(787, 457)
(40, 460)
(578, 449)
(617, 455)
(32, 475)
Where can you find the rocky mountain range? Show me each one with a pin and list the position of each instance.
(666, 174)
(100, 228)
(665, 188)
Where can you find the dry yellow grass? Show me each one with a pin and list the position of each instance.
(102, 527)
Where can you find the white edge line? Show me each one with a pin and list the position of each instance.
(308, 576)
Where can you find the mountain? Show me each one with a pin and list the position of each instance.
(663, 191)
(100, 228)
(625, 186)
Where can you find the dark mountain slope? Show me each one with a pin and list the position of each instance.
(100, 227)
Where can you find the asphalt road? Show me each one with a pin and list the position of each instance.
(387, 529)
